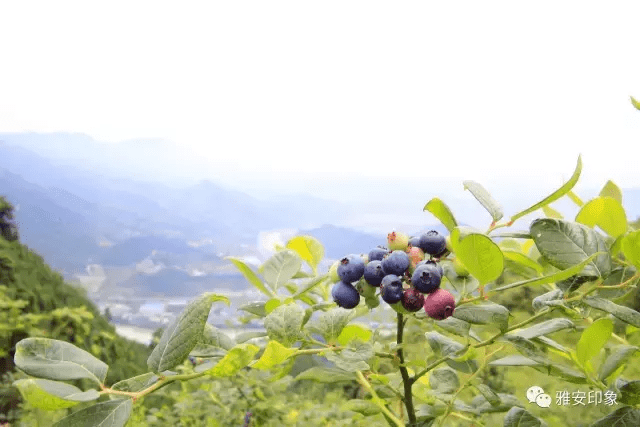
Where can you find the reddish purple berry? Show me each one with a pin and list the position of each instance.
(412, 300)
(439, 304)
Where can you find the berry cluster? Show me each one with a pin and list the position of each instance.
(402, 273)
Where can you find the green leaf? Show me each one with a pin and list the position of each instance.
(309, 249)
(564, 244)
(272, 304)
(137, 383)
(256, 308)
(246, 336)
(215, 337)
(444, 380)
(58, 360)
(485, 199)
(182, 335)
(616, 359)
(284, 324)
(611, 190)
(207, 351)
(462, 285)
(544, 328)
(273, 355)
(630, 393)
(326, 375)
(528, 349)
(483, 314)
(51, 395)
(593, 340)
(550, 299)
(623, 313)
(491, 396)
(354, 332)
(551, 344)
(565, 189)
(111, 413)
(522, 259)
(281, 267)
(507, 401)
(631, 247)
(519, 417)
(621, 417)
(441, 211)
(549, 212)
(455, 326)
(479, 254)
(635, 103)
(306, 287)
(443, 345)
(248, 273)
(353, 358)
(514, 360)
(236, 359)
(605, 212)
(364, 407)
(330, 323)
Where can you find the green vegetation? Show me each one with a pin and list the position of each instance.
(36, 302)
(551, 306)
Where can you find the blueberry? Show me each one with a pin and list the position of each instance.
(440, 304)
(345, 295)
(391, 289)
(373, 273)
(351, 268)
(414, 241)
(376, 254)
(412, 300)
(431, 262)
(396, 263)
(426, 278)
(438, 266)
(433, 243)
(416, 256)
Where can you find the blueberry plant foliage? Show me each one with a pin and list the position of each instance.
(444, 287)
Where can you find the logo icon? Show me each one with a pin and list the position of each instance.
(537, 395)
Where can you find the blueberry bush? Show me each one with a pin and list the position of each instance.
(458, 353)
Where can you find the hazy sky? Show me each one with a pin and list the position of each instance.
(492, 91)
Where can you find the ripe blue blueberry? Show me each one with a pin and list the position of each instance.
(345, 295)
(438, 266)
(414, 241)
(433, 243)
(376, 254)
(373, 273)
(391, 289)
(426, 278)
(351, 268)
(396, 263)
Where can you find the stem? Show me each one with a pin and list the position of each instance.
(161, 383)
(408, 396)
(432, 365)
(379, 402)
(490, 341)
(466, 384)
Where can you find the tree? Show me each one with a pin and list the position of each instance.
(8, 229)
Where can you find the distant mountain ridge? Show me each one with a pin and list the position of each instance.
(74, 219)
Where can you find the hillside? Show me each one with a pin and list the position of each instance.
(36, 301)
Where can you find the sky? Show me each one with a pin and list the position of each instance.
(287, 92)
